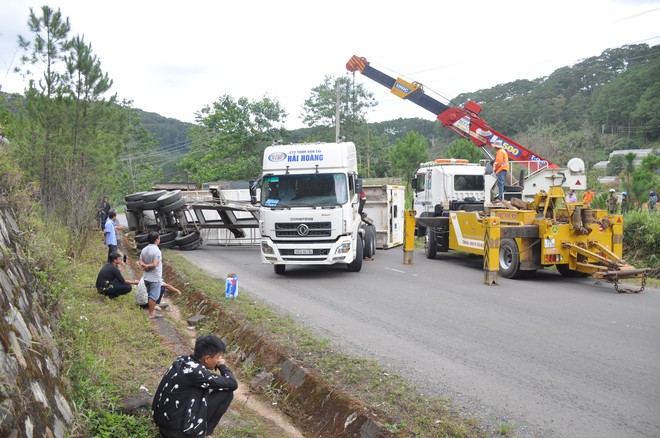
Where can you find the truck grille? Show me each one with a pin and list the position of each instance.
(303, 229)
(316, 252)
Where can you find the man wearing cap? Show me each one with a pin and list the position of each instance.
(653, 200)
(624, 202)
(612, 201)
(501, 167)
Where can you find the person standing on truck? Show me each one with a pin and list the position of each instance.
(612, 202)
(501, 167)
(571, 196)
(587, 197)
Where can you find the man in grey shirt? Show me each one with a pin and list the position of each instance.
(151, 260)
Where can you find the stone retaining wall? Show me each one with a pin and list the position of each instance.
(33, 399)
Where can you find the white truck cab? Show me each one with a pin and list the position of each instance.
(309, 206)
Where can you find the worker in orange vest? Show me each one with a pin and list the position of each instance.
(501, 167)
(587, 197)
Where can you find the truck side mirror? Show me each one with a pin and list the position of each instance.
(413, 183)
(253, 191)
(358, 185)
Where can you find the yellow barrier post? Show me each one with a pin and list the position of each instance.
(491, 250)
(408, 236)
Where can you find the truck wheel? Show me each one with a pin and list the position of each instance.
(134, 197)
(153, 196)
(135, 205)
(279, 269)
(369, 241)
(169, 198)
(430, 244)
(187, 239)
(509, 259)
(356, 264)
(176, 205)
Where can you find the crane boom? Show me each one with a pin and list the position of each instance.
(464, 120)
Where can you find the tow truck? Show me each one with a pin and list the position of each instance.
(536, 227)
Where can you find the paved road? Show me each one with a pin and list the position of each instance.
(551, 356)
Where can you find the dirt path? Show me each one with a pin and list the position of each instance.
(246, 404)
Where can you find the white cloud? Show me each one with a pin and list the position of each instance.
(173, 58)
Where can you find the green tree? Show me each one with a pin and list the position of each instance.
(645, 178)
(65, 136)
(629, 168)
(44, 53)
(320, 108)
(462, 148)
(230, 136)
(615, 165)
(407, 153)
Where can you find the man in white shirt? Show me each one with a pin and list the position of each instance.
(151, 260)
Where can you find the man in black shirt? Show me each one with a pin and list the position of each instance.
(191, 399)
(110, 282)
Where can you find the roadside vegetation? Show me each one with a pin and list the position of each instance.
(385, 392)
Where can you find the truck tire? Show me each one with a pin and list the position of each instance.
(167, 237)
(150, 205)
(176, 205)
(169, 198)
(135, 205)
(279, 269)
(190, 246)
(356, 264)
(509, 259)
(141, 238)
(153, 196)
(168, 244)
(134, 197)
(187, 239)
(430, 243)
(369, 241)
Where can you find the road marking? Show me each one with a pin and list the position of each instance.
(399, 271)
(396, 270)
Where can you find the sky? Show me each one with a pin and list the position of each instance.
(175, 58)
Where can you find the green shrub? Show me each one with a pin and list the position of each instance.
(641, 239)
(113, 425)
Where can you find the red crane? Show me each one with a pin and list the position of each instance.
(464, 120)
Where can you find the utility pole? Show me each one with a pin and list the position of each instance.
(337, 134)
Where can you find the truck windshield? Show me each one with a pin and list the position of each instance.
(304, 190)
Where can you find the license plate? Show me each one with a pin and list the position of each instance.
(303, 251)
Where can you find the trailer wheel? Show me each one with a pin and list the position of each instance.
(430, 244)
(509, 259)
(356, 264)
(369, 241)
(279, 269)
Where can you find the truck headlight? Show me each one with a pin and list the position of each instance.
(343, 248)
(266, 248)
